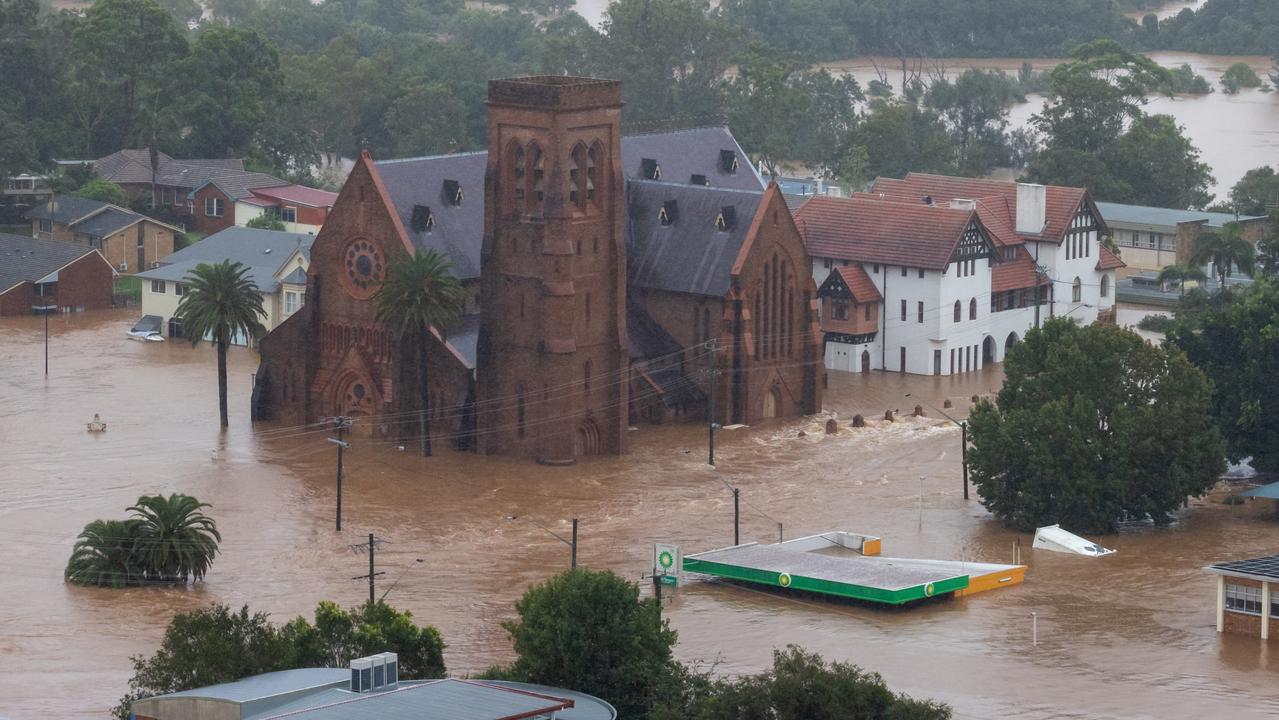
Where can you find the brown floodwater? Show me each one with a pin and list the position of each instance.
(1128, 636)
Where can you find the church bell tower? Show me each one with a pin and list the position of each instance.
(552, 366)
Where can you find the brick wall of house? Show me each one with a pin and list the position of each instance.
(208, 224)
(86, 283)
(122, 247)
(17, 301)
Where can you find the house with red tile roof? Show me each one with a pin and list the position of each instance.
(940, 275)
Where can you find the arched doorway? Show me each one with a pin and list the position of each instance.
(355, 397)
(865, 361)
(772, 401)
(586, 441)
(1012, 340)
(988, 350)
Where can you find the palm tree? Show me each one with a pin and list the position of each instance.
(220, 302)
(104, 555)
(1179, 274)
(1225, 248)
(419, 294)
(175, 540)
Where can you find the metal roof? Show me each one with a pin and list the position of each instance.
(25, 259)
(266, 685)
(1260, 568)
(447, 699)
(263, 251)
(1164, 217)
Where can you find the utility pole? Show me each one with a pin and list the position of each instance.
(371, 545)
(712, 375)
(737, 517)
(963, 453)
(342, 422)
(573, 546)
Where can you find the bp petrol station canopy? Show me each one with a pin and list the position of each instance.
(803, 564)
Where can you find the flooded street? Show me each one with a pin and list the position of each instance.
(1127, 636)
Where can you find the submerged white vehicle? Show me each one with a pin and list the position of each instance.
(1053, 538)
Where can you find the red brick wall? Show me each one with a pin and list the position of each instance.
(17, 301)
(207, 224)
(86, 283)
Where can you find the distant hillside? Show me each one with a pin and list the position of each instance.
(1224, 27)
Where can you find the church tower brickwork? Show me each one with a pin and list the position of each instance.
(552, 364)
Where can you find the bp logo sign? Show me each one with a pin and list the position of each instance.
(784, 580)
(665, 560)
(928, 590)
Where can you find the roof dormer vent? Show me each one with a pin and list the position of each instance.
(422, 219)
(453, 194)
(650, 169)
(726, 219)
(668, 213)
(728, 161)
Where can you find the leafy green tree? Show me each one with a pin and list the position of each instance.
(206, 647)
(231, 75)
(338, 636)
(220, 302)
(1225, 249)
(1181, 274)
(1268, 248)
(266, 221)
(1183, 80)
(589, 631)
(420, 294)
(801, 686)
(175, 540)
(104, 191)
(104, 555)
(1093, 426)
(1238, 77)
(1256, 191)
(1158, 162)
(975, 109)
(1235, 341)
(900, 137)
(427, 119)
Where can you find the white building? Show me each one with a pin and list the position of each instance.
(277, 262)
(937, 275)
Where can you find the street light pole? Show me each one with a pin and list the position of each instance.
(737, 517)
(963, 439)
(572, 544)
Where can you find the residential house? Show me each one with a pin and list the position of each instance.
(937, 275)
(169, 182)
(615, 270)
(277, 262)
(301, 209)
(1246, 599)
(38, 273)
(128, 240)
(1152, 238)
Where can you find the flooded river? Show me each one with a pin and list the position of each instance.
(1128, 636)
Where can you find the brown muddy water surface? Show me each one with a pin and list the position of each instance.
(1127, 636)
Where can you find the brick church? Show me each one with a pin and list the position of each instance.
(609, 280)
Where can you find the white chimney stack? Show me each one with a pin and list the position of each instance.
(1032, 208)
(963, 204)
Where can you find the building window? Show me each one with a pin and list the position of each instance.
(290, 303)
(839, 310)
(876, 266)
(827, 263)
(157, 286)
(46, 226)
(1243, 599)
(972, 309)
(903, 311)
(290, 214)
(1076, 291)
(919, 311)
(866, 314)
(959, 311)
(178, 288)
(1105, 286)
(214, 206)
(904, 269)
(586, 376)
(921, 273)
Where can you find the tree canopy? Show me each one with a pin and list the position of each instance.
(168, 540)
(1093, 426)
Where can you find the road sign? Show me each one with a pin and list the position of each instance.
(666, 561)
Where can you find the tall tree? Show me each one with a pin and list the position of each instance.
(1225, 249)
(420, 294)
(1180, 274)
(1156, 160)
(221, 302)
(975, 108)
(105, 555)
(1093, 426)
(103, 190)
(339, 635)
(175, 540)
(231, 78)
(1234, 339)
(1256, 191)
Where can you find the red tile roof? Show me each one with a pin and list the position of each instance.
(999, 200)
(1107, 260)
(1015, 274)
(859, 283)
(298, 194)
(877, 231)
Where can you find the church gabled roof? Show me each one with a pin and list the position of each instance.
(457, 228)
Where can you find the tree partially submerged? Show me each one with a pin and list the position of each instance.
(1094, 426)
(168, 540)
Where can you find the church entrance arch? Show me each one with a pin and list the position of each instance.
(354, 396)
(772, 401)
(586, 441)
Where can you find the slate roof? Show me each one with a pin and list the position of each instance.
(459, 229)
(690, 255)
(859, 283)
(263, 251)
(1165, 217)
(108, 222)
(1061, 202)
(464, 339)
(1107, 260)
(27, 259)
(65, 209)
(645, 337)
(879, 231)
(134, 166)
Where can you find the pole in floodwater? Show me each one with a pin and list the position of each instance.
(342, 423)
(1034, 628)
(737, 517)
(963, 439)
(371, 546)
(711, 376)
